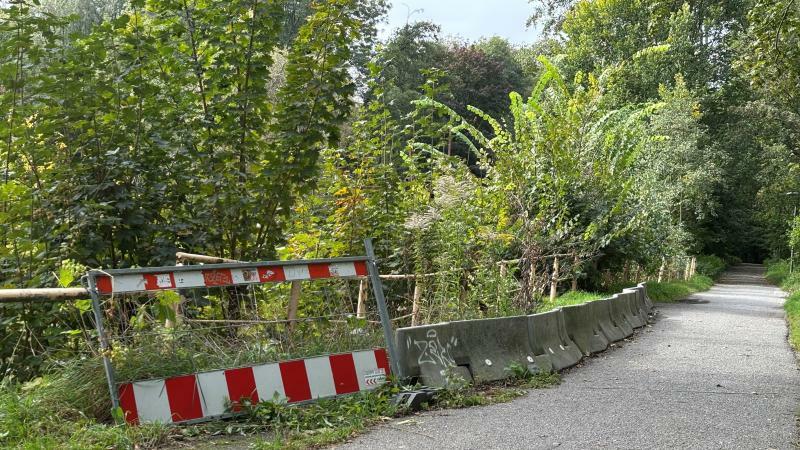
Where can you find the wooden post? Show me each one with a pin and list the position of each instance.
(415, 302)
(361, 309)
(554, 280)
(532, 277)
(574, 286)
(181, 257)
(694, 267)
(294, 299)
(687, 271)
(503, 275)
(42, 295)
(661, 269)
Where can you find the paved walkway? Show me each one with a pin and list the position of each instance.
(714, 372)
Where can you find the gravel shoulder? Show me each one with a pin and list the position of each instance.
(712, 372)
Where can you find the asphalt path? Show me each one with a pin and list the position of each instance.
(713, 372)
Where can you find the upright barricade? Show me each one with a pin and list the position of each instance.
(583, 327)
(265, 368)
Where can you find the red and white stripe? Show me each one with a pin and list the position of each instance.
(211, 277)
(210, 394)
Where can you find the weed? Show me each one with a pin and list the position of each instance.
(569, 298)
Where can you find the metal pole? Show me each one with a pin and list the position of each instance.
(383, 311)
(104, 347)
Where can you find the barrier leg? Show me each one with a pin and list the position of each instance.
(104, 347)
(383, 311)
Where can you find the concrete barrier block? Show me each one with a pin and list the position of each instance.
(648, 303)
(620, 313)
(609, 327)
(433, 354)
(641, 303)
(493, 345)
(583, 327)
(549, 335)
(638, 316)
(624, 298)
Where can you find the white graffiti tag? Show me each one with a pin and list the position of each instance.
(433, 352)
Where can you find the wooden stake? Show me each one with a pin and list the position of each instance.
(294, 299)
(361, 309)
(574, 286)
(181, 256)
(661, 269)
(415, 303)
(554, 281)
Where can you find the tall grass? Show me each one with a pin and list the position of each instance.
(58, 411)
(570, 298)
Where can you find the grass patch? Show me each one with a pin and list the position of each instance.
(570, 298)
(778, 273)
(46, 413)
(792, 308)
(671, 291)
(311, 426)
(29, 419)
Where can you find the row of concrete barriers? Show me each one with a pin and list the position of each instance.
(486, 349)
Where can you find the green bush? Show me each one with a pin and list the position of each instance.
(711, 265)
(777, 271)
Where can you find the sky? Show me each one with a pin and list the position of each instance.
(468, 19)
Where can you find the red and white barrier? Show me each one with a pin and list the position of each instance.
(211, 277)
(209, 394)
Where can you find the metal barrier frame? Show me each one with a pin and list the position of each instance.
(369, 260)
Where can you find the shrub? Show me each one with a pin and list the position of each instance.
(777, 271)
(711, 265)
